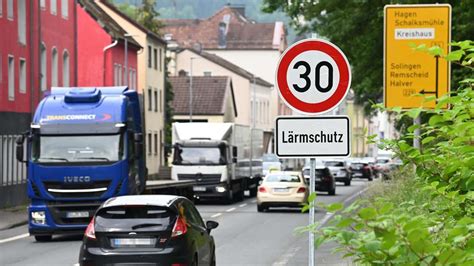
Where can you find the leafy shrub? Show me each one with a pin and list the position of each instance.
(428, 219)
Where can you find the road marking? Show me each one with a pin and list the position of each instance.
(285, 258)
(329, 215)
(243, 205)
(230, 210)
(254, 201)
(216, 215)
(14, 238)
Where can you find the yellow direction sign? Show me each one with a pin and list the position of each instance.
(408, 72)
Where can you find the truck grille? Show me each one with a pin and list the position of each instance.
(201, 179)
(61, 211)
(62, 190)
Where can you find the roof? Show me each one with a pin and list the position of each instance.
(106, 22)
(230, 66)
(150, 33)
(153, 200)
(226, 29)
(209, 95)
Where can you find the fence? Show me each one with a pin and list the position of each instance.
(12, 172)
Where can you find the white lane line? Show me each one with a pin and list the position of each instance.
(285, 258)
(254, 201)
(230, 210)
(14, 238)
(243, 205)
(329, 215)
(216, 215)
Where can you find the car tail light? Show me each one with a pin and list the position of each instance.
(366, 167)
(326, 178)
(301, 190)
(90, 231)
(262, 189)
(179, 228)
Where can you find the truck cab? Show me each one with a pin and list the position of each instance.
(85, 146)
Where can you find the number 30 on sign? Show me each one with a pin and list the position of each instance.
(313, 76)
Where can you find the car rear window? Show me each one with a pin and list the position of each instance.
(126, 217)
(283, 178)
(334, 163)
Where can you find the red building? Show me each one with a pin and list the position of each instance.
(101, 49)
(37, 51)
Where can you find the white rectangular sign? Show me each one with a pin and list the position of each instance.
(322, 136)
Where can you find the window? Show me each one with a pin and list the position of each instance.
(135, 78)
(161, 62)
(156, 100)
(1, 8)
(124, 80)
(64, 8)
(43, 74)
(207, 73)
(155, 143)
(149, 143)
(65, 69)
(155, 58)
(149, 56)
(22, 75)
(22, 21)
(11, 78)
(160, 100)
(161, 145)
(130, 79)
(53, 6)
(54, 68)
(149, 99)
(43, 4)
(10, 9)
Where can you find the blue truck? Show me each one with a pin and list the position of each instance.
(85, 146)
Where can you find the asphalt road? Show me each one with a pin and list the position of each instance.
(244, 236)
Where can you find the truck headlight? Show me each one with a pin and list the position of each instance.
(38, 217)
(220, 189)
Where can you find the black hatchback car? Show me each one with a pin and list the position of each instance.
(148, 230)
(361, 170)
(325, 181)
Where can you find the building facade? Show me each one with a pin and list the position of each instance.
(150, 83)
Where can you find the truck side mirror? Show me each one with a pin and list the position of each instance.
(19, 148)
(138, 142)
(234, 152)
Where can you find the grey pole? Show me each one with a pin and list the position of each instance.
(416, 135)
(191, 90)
(125, 64)
(253, 124)
(312, 181)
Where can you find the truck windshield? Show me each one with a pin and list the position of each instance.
(199, 156)
(64, 149)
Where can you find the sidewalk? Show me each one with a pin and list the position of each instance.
(13, 217)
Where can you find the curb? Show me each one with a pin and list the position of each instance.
(13, 225)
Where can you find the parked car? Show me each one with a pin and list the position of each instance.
(325, 181)
(270, 162)
(340, 170)
(361, 169)
(158, 229)
(282, 189)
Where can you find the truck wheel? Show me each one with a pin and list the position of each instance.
(230, 196)
(45, 238)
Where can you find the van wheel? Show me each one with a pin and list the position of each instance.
(332, 192)
(44, 238)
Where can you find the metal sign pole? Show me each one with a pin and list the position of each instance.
(312, 184)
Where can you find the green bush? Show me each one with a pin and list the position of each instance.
(427, 216)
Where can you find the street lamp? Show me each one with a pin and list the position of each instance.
(191, 88)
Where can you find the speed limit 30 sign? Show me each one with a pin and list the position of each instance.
(313, 76)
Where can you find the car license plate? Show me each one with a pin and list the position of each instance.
(280, 190)
(79, 214)
(199, 189)
(133, 242)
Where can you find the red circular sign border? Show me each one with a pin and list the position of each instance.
(344, 76)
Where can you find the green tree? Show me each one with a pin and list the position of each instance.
(356, 26)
